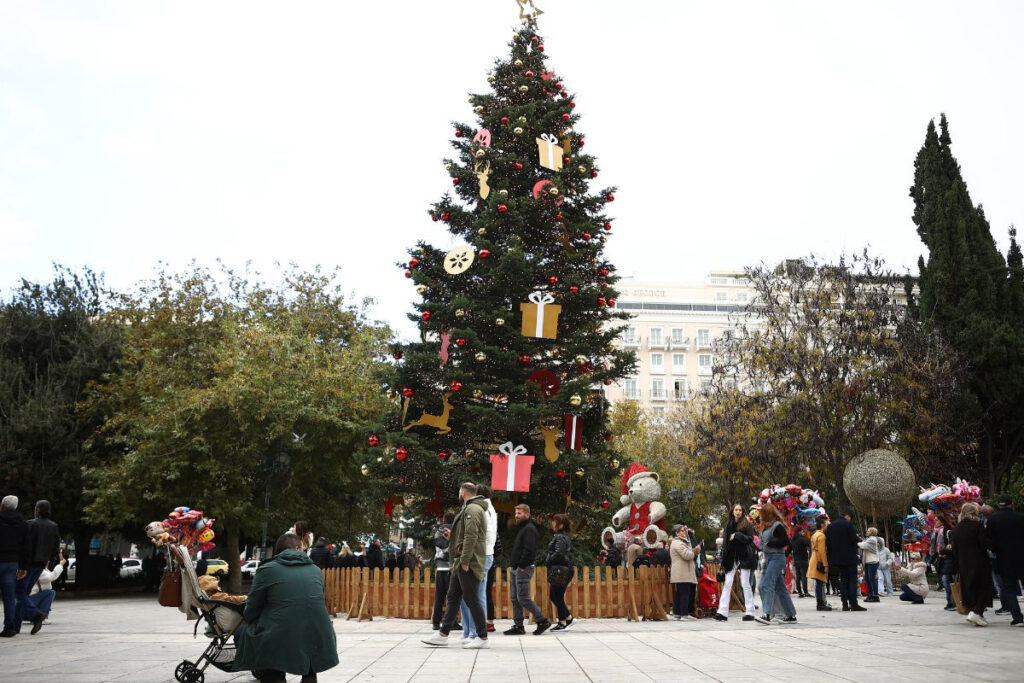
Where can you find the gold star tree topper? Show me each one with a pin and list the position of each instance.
(528, 10)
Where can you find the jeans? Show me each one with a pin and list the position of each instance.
(910, 596)
(847, 584)
(557, 596)
(773, 586)
(885, 579)
(800, 569)
(464, 585)
(8, 588)
(442, 579)
(520, 595)
(1008, 596)
(469, 626)
(23, 589)
(946, 580)
(38, 605)
(490, 591)
(819, 592)
(681, 598)
(871, 579)
(748, 591)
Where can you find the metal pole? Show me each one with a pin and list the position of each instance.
(266, 520)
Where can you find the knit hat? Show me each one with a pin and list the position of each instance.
(627, 478)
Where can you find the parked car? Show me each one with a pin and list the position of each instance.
(218, 568)
(131, 567)
(70, 571)
(249, 569)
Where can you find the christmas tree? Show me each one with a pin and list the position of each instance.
(517, 324)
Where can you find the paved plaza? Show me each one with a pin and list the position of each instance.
(134, 639)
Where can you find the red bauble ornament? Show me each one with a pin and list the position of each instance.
(566, 160)
(455, 181)
(426, 315)
(433, 217)
(581, 142)
(484, 253)
(374, 440)
(558, 216)
(460, 342)
(572, 103)
(593, 174)
(455, 386)
(560, 85)
(401, 453)
(445, 216)
(564, 93)
(502, 208)
(458, 133)
(408, 392)
(586, 236)
(604, 285)
(540, 48)
(525, 359)
(605, 504)
(566, 117)
(552, 280)
(529, 74)
(408, 273)
(609, 437)
(607, 382)
(397, 355)
(601, 301)
(534, 39)
(607, 226)
(610, 197)
(413, 262)
(504, 120)
(611, 302)
(443, 456)
(519, 166)
(561, 474)
(574, 289)
(605, 272)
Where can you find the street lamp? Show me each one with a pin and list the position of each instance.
(273, 462)
(681, 497)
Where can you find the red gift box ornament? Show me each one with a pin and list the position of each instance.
(510, 468)
(573, 432)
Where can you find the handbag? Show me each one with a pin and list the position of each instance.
(820, 567)
(170, 588)
(958, 598)
(560, 575)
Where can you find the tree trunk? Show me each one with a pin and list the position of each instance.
(231, 544)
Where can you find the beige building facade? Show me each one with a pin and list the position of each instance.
(671, 332)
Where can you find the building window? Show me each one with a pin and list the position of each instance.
(632, 388)
(704, 362)
(741, 296)
(655, 336)
(703, 338)
(680, 390)
(677, 335)
(657, 388)
(629, 335)
(657, 362)
(721, 296)
(658, 412)
(705, 385)
(730, 384)
(679, 362)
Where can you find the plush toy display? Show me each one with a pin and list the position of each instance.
(642, 516)
(799, 506)
(157, 534)
(186, 527)
(211, 586)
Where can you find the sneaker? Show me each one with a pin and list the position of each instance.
(977, 619)
(766, 620)
(824, 608)
(846, 608)
(37, 624)
(788, 620)
(516, 630)
(558, 627)
(1001, 612)
(466, 639)
(952, 608)
(720, 617)
(542, 626)
(1017, 622)
(477, 644)
(437, 640)
(748, 617)
(858, 608)
(8, 633)
(569, 623)
(490, 628)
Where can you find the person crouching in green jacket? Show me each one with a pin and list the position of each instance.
(467, 555)
(287, 628)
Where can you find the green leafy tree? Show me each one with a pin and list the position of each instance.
(54, 342)
(229, 389)
(976, 298)
(527, 229)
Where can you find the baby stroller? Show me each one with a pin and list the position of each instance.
(222, 618)
(707, 595)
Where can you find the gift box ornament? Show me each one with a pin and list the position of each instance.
(550, 152)
(573, 432)
(540, 316)
(510, 468)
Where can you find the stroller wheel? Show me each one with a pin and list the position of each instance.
(179, 671)
(194, 675)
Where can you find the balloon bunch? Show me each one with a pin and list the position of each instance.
(944, 503)
(189, 528)
(799, 506)
(917, 531)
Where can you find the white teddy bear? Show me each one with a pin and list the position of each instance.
(643, 515)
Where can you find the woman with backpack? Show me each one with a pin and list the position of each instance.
(560, 571)
(738, 555)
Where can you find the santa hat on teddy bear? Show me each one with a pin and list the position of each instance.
(631, 474)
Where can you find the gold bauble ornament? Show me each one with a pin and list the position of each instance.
(449, 167)
(479, 153)
(503, 193)
(581, 169)
(518, 62)
(490, 78)
(480, 356)
(581, 359)
(499, 322)
(576, 400)
(365, 469)
(524, 88)
(477, 393)
(380, 459)
(580, 472)
(479, 108)
(614, 464)
(421, 289)
(482, 231)
(469, 452)
(459, 313)
(522, 119)
(553, 190)
(517, 130)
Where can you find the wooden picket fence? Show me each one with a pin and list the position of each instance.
(595, 593)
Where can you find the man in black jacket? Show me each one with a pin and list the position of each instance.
(13, 549)
(1006, 529)
(43, 542)
(375, 556)
(524, 551)
(321, 554)
(800, 547)
(841, 545)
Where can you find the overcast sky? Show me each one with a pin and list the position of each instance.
(737, 132)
